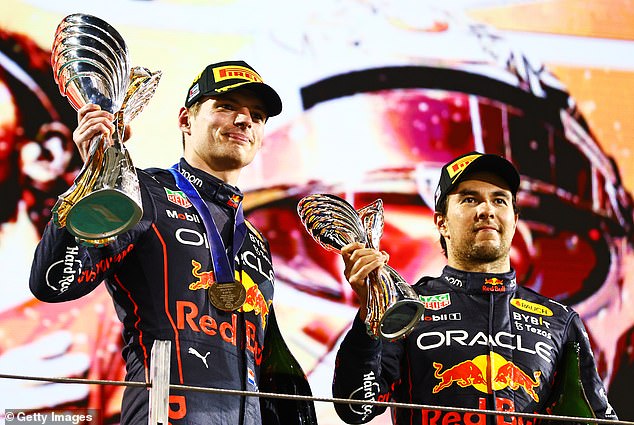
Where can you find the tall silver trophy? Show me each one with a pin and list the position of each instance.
(91, 65)
(393, 306)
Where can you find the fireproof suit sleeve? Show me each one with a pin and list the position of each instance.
(592, 384)
(365, 369)
(64, 270)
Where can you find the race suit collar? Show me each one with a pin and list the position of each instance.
(479, 282)
(210, 186)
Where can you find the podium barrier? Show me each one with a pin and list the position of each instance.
(160, 383)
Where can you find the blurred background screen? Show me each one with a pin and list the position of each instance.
(377, 95)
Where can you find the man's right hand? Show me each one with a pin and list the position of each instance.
(359, 261)
(91, 121)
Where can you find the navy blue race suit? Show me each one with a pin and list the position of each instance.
(158, 274)
(484, 343)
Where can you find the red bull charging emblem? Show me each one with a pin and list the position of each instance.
(474, 373)
(254, 301)
(493, 284)
(234, 201)
(203, 279)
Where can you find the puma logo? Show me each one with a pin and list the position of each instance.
(197, 354)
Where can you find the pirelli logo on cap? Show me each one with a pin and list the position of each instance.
(455, 168)
(236, 72)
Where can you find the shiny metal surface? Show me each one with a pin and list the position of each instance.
(91, 65)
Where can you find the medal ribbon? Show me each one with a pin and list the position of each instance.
(223, 267)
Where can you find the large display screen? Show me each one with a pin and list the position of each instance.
(377, 96)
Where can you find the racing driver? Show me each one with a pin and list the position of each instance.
(491, 344)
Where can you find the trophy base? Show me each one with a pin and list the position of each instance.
(400, 318)
(103, 214)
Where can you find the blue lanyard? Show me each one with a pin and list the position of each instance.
(223, 267)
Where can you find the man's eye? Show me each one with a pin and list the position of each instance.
(501, 201)
(258, 117)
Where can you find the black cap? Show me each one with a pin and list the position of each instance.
(457, 169)
(223, 77)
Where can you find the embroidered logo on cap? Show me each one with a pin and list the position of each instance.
(194, 91)
(236, 72)
(457, 167)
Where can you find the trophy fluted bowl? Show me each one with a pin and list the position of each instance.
(90, 62)
(393, 306)
(331, 221)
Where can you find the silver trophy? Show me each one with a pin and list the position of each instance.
(393, 306)
(91, 65)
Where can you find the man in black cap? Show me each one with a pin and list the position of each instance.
(484, 341)
(193, 271)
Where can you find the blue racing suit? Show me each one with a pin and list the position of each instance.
(484, 343)
(158, 274)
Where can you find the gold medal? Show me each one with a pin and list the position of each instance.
(228, 296)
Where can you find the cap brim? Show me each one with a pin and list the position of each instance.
(271, 99)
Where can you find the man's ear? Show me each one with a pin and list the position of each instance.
(441, 224)
(184, 120)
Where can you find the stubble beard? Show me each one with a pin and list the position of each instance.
(231, 158)
(483, 252)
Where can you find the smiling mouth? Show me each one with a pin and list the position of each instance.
(238, 137)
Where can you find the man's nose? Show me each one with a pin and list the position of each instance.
(243, 117)
(485, 209)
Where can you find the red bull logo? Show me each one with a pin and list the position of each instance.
(493, 284)
(234, 201)
(465, 374)
(254, 301)
(204, 279)
(514, 377)
(474, 373)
